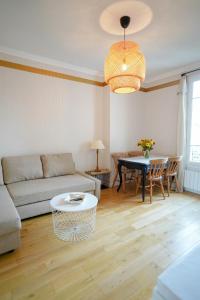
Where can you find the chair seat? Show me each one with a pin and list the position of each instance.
(171, 174)
(155, 178)
(151, 178)
(148, 178)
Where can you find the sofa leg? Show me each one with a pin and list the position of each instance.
(11, 251)
(7, 252)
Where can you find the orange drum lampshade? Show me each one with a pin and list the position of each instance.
(124, 67)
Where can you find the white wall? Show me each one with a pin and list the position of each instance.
(160, 119)
(40, 114)
(144, 115)
(125, 121)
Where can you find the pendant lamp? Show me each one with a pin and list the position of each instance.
(125, 65)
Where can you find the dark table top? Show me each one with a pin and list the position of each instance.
(141, 159)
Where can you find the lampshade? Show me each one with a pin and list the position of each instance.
(124, 67)
(97, 145)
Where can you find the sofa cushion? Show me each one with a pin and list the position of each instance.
(9, 218)
(26, 192)
(57, 164)
(1, 174)
(19, 168)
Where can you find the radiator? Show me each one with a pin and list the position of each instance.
(192, 181)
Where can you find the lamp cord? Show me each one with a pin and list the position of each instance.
(124, 38)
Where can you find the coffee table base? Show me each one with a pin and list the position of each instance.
(74, 226)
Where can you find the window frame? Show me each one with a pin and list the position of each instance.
(190, 80)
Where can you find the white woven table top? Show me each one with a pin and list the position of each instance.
(58, 203)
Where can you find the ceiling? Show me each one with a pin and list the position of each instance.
(69, 31)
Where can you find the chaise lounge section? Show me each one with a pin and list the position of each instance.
(10, 223)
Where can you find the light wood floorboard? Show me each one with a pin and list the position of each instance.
(133, 243)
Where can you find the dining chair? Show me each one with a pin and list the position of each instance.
(135, 153)
(154, 176)
(132, 173)
(171, 173)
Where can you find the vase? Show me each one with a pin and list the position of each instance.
(146, 153)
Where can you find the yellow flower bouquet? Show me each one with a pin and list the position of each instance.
(147, 146)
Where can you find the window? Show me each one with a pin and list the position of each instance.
(194, 120)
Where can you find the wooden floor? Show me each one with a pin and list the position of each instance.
(133, 244)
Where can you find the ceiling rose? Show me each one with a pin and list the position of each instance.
(140, 15)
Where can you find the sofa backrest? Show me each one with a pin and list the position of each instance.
(57, 164)
(20, 168)
(1, 175)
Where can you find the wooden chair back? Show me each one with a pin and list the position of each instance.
(157, 167)
(117, 155)
(173, 165)
(135, 153)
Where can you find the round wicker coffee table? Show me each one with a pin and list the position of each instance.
(74, 222)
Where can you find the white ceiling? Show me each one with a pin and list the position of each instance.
(69, 31)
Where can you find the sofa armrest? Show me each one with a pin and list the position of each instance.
(97, 183)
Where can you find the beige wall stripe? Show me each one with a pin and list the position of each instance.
(21, 67)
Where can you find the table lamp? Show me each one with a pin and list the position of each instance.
(97, 145)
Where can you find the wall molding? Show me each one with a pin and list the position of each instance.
(35, 70)
(40, 71)
(160, 86)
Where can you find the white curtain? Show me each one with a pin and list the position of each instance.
(181, 128)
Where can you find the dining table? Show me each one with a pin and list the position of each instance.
(139, 163)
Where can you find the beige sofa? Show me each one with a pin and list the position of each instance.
(31, 181)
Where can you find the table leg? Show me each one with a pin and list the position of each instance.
(120, 176)
(144, 173)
